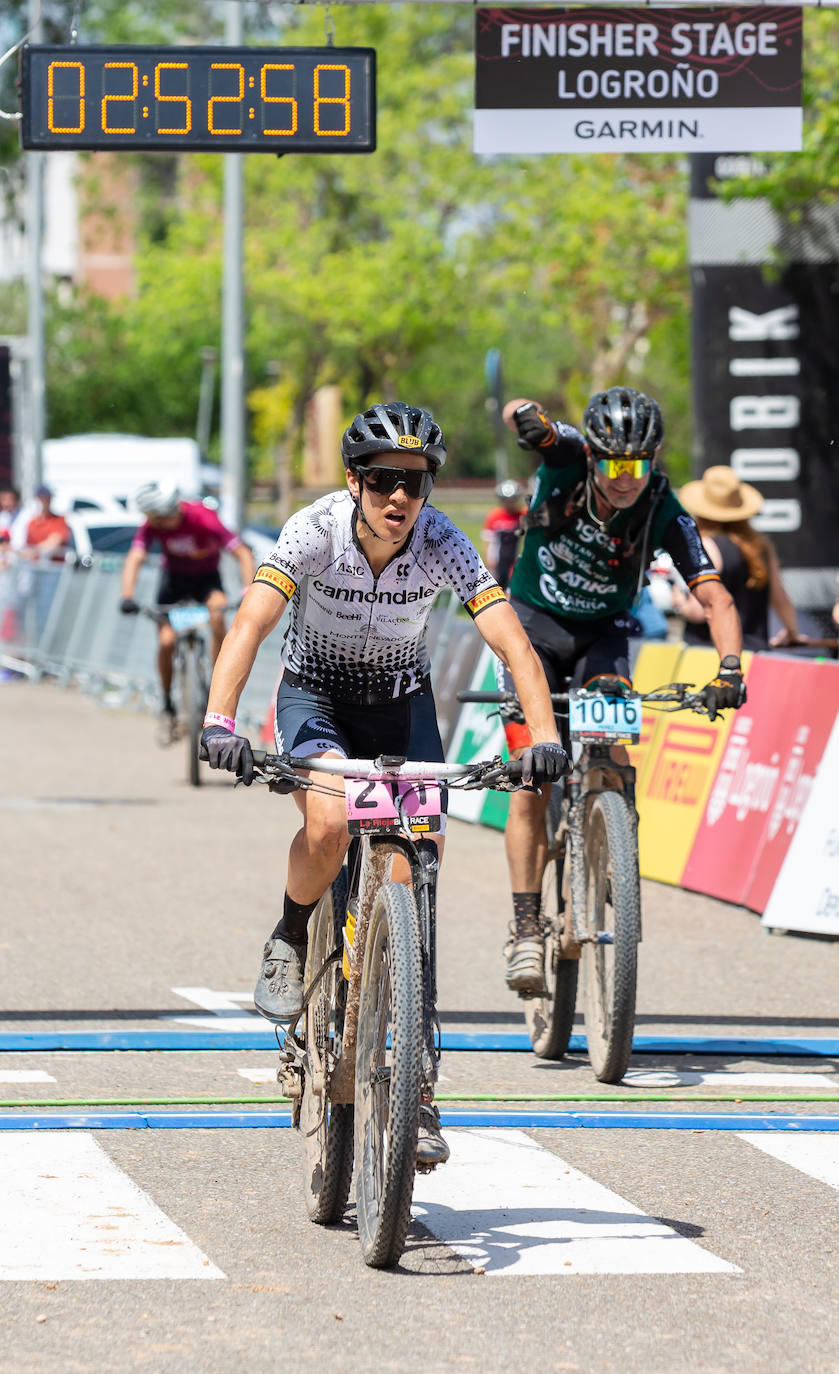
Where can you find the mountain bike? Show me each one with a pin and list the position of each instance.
(363, 1054)
(591, 889)
(191, 673)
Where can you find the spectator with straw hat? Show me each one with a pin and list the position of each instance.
(723, 507)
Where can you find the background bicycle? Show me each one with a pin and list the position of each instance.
(360, 1061)
(591, 891)
(191, 673)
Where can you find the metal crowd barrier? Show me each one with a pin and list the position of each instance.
(62, 621)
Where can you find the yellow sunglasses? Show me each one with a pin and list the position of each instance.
(616, 467)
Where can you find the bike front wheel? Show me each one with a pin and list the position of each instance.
(550, 1016)
(388, 1075)
(326, 1126)
(613, 921)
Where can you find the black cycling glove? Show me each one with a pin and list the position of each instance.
(543, 763)
(129, 606)
(224, 750)
(727, 689)
(534, 427)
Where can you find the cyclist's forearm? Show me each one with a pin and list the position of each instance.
(233, 666)
(133, 561)
(723, 620)
(247, 567)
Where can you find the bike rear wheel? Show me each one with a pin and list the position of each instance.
(550, 1017)
(195, 704)
(326, 1126)
(388, 1075)
(613, 912)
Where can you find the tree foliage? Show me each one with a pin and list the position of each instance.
(392, 274)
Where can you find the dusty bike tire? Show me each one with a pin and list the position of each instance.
(613, 907)
(550, 1017)
(387, 1107)
(326, 1127)
(195, 702)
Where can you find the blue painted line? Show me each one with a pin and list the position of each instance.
(608, 1121)
(260, 1039)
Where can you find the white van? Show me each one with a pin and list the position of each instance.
(102, 471)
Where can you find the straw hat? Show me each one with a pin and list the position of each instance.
(719, 495)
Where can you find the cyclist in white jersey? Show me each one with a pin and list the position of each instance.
(361, 569)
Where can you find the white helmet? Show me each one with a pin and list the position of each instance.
(155, 498)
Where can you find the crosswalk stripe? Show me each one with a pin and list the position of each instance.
(25, 1076)
(689, 1078)
(70, 1213)
(512, 1207)
(810, 1152)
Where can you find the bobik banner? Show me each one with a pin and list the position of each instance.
(637, 80)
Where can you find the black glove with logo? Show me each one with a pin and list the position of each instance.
(534, 427)
(543, 763)
(129, 606)
(223, 750)
(727, 689)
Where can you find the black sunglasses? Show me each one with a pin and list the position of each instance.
(417, 484)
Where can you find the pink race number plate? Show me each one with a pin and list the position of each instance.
(371, 806)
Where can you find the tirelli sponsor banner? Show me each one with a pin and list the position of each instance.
(625, 80)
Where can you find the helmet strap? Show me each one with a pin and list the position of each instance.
(591, 481)
(359, 507)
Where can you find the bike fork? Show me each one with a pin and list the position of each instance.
(425, 888)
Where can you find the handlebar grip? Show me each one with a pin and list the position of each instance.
(494, 698)
(259, 757)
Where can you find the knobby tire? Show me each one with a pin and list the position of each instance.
(388, 1081)
(550, 1016)
(613, 907)
(194, 706)
(326, 1127)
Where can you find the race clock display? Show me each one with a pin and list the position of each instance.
(207, 99)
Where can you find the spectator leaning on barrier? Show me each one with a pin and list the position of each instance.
(191, 539)
(722, 507)
(501, 531)
(46, 532)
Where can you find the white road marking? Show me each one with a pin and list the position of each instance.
(811, 1152)
(25, 1076)
(70, 1213)
(687, 1078)
(227, 1014)
(509, 1205)
(258, 1075)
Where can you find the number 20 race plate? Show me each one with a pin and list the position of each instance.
(595, 718)
(371, 806)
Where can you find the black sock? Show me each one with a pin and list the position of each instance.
(294, 925)
(526, 914)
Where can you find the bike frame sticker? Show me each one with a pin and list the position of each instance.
(372, 805)
(184, 618)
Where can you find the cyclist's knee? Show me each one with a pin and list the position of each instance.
(167, 638)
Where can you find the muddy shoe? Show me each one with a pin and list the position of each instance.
(278, 994)
(431, 1147)
(526, 965)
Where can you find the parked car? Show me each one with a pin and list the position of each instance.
(97, 533)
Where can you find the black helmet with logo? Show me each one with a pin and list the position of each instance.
(623, 423)
(389, 428)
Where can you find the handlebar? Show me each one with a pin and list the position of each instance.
(678, 692)
(490, 773)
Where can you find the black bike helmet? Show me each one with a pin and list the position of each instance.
(389, 428)
(624, 423)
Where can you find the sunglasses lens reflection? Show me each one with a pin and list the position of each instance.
(385, 480)
(616, 467)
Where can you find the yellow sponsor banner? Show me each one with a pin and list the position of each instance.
(655, 666)
(678, 774)
(277, 579)
(484, 599)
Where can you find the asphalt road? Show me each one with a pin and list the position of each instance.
(131, 900)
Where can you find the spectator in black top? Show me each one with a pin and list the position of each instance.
(722, 507)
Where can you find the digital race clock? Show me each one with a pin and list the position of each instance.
(219, 99)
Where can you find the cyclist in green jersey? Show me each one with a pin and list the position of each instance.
(600, 511)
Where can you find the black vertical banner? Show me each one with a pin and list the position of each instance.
(5, 415)
(766, 366)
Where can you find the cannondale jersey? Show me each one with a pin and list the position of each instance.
(355, 636)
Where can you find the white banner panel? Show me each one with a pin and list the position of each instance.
(628, 80)
(806, 893)
(643, 130)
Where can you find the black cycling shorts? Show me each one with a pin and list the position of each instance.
(174, 587)
(578, 650)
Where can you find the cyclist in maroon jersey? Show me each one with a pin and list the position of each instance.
(191, 539)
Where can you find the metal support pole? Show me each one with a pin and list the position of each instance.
(34, 402)
(232, 333)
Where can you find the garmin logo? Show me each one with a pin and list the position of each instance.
(639, 129)
(353, 594)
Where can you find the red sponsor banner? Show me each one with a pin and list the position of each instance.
(763, 780)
